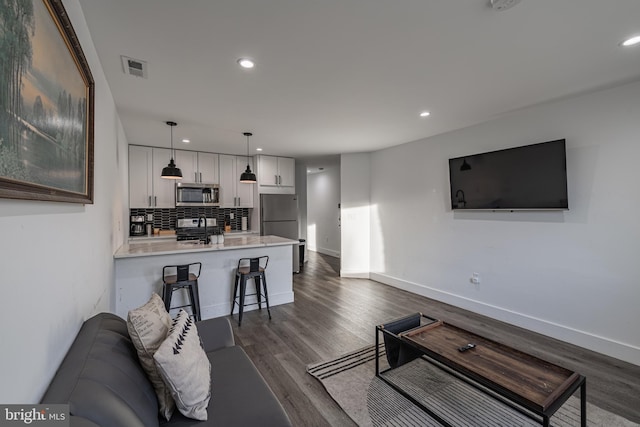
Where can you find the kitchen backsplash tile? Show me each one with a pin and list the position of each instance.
(165, 219)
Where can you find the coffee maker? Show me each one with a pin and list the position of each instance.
(137, 225)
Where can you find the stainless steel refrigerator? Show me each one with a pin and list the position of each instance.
(279, 217)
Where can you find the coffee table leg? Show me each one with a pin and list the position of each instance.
(377, 352)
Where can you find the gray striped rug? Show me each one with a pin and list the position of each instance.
(369, 401)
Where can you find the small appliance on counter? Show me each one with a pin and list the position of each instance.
(194, 229)
(137, 227)
(149, 225)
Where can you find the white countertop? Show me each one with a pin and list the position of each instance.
(153, 247)
(156, 237)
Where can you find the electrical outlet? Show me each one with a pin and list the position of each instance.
(475, 278)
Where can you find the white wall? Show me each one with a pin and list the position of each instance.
(572, 274)
(323, 197)
(56, 260)
(355, 194)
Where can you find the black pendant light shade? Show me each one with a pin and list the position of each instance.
(171, 171)
(247, 176)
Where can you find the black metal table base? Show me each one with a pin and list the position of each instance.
(541, 417)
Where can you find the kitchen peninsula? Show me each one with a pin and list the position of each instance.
(138, 270)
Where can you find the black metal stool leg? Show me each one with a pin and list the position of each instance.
(193, 297)
(235, 294)
(266, 294)
(256, 282)
(167, 290)
(191, 300)
(243, 290)
(196, 294)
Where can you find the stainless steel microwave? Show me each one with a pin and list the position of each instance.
(195, 194)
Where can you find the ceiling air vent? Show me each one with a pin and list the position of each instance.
(134, 67)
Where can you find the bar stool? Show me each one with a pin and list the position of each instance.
(185, 279)
(250, 268)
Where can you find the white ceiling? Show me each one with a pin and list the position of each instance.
(339, 76)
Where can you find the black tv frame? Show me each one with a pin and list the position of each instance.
(461, 164)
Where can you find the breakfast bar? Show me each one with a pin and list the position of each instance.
(138, 270)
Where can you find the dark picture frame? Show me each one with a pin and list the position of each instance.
(46, 106)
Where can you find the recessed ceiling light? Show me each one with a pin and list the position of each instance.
(186, 141)
(631, 41)
(246, 63)
(425, 114)
(258, 149)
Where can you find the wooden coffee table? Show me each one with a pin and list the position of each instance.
(521, 381)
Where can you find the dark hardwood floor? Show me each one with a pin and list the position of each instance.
(333, 315)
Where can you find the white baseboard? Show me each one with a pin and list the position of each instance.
(613, 348)
(330, 252)
(354, 274)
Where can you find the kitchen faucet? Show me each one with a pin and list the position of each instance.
(201, 219)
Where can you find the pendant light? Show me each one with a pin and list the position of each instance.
(247, 176)
(171, 171)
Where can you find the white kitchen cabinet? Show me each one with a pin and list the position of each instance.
(146, 187)
(208, 168)
(187, 161)
(164, 190)
(198, 166)
(233, 193)
(140, 179)
(276, 174)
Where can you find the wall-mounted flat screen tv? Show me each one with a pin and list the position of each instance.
(527, 178)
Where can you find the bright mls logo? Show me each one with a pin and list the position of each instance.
(37, 415)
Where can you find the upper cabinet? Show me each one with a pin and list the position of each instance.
(198, 166)
(276, 175)
(146, 188)
(208, 168)
(233, 193)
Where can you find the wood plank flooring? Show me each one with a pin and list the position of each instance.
(333, 315)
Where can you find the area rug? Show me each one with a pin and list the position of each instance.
(369, 401)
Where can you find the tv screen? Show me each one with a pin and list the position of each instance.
(529, 177)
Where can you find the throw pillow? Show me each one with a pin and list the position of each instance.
(148, 327)
(185, 367)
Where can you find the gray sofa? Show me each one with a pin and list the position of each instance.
(103, 383)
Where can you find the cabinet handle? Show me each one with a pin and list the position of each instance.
(150, 201)
(200, 173)
(238, 201)
(155, 201)
(195, 177)
(280, 179)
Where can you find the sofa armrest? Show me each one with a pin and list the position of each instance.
(215, 333)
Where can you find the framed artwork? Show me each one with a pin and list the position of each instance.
(46, 105)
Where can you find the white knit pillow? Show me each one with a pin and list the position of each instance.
(185, 368)
(148, 327)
